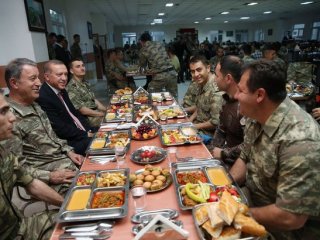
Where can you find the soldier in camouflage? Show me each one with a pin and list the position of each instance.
(209, 99)
(12, 223)
(189, 98)
(155, 56)
(300, 72)
(82, 97)
(279, 162)
(45, 156)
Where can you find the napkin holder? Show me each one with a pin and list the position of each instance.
(161, 228)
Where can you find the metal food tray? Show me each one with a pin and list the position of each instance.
(89, 214)
(181, 205)
(119, 116)
(163, 96)
(148, 101)
(159, 108)
(201, 165)
(106, 149)
(121, 98)
(201, 233)
(136, 109)
(163, 128)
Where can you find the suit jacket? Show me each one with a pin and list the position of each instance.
(58, 115)
(62, 55)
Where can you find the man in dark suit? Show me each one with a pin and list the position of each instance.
(60, 50)
(66, 121)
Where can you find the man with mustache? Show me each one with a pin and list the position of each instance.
(12, 223)
(65, 120)
(45, 156)
(81, 95)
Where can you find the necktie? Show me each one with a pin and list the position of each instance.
(74, 118)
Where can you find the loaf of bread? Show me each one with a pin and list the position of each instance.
(227, 208)
(248, 225)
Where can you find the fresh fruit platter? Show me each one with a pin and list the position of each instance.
(144, 132)
(148, 155)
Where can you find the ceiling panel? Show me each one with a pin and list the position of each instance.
(142, 12)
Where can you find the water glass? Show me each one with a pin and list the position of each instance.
(128, 117)
(163, 118)
(120, 153)
(171, 155)
(139, 195)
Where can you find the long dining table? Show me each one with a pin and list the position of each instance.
(163, 199)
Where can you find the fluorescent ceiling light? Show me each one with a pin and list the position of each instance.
(157, 20)
(152, 23)
(208, 18)
(267, 12)
(305, 3)
(251, 4)
(226, 21)
(169, 4)
(196, 22)
(161, 14)
(223, 13)
(244, 18)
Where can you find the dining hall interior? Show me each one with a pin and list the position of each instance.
(150, 156)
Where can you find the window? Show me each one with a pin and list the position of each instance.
(298, 31)
(57, 22)
(129, 38)
(315, 35)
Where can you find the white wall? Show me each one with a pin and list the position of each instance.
(16, 39)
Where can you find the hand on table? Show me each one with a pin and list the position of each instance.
(61, 176)
(316, 113)
(76, 158)
(216, 152)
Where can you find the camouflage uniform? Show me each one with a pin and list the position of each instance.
(76, 52)
(111, 81)
(111, 70)
(247, 59)
(42, 150)
(189, 98)
(283, 162)
(214, 61)
(209, 103)
(300, 72)
(159, 63)
(81, 95)
(281, 62)
(12, 222)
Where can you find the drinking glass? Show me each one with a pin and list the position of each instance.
(120, 153)
(139, 195)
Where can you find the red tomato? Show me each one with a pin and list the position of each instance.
(213, 197)
(143, 154)
(233, 192)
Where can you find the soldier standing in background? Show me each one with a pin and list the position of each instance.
(75, 49)
(164, 75)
